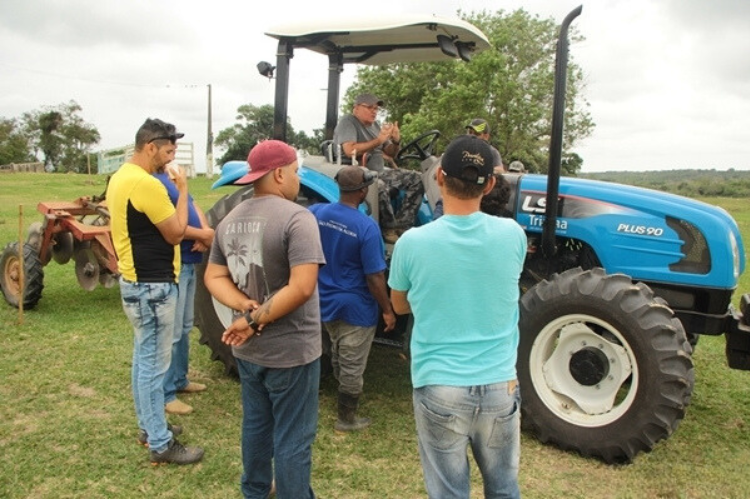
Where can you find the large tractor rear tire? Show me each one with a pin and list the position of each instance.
(212, 317)
(605, 368)
(10, 275)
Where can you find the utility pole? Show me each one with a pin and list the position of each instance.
(210, 141)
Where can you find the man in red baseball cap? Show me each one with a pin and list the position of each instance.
(264, 264)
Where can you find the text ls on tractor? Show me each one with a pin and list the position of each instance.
(618, 281)
(77, 230)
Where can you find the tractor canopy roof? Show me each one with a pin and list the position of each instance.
(386, 40)
(371, 41)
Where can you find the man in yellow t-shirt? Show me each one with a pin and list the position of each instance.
(146, 231)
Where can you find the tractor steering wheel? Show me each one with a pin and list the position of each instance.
(423, 147)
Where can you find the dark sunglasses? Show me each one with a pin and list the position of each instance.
(171, 137)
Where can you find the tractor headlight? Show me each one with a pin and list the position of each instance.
(735, 255)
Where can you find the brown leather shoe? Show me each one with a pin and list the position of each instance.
(177, 407)
(193, 387)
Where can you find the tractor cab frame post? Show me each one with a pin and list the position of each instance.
(284, 54)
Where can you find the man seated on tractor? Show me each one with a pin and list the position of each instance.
(359, 136)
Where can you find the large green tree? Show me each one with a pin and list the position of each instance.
(61, 135)
(14, 144)
(255, 123)
(511, 85)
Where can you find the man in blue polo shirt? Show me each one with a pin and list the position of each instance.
(198, 238)
(351, 287)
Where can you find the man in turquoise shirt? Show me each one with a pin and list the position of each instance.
(459, 277)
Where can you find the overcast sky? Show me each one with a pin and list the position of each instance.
(668, 81)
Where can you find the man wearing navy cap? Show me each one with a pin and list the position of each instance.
(464, 297)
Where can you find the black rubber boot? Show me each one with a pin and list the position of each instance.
(348, 420)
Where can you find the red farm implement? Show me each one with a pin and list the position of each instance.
(77, 230)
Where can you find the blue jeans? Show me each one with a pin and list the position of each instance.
(150, 309)
(176, 377)
(486, 418)
(279, 422)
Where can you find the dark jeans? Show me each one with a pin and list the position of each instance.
(279, 422)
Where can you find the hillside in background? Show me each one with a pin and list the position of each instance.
(691, 183)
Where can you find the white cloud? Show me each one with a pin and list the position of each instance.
(667, 81)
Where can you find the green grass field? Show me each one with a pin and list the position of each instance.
(68, 429)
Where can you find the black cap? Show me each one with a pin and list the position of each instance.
(353, 178)
(468, 158)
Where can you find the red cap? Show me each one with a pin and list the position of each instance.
(265, 157)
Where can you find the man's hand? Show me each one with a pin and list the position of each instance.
(390, 321)
(385, 133)
(395, 132)
(206, 237)
(203, 238)
(198, 247)
(238, 333)
(177, 175)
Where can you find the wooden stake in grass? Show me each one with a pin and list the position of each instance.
(21, 277)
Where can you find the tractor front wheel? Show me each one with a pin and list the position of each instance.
(10, 275)
(605, 368)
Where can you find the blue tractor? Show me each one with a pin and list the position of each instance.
(618, 284)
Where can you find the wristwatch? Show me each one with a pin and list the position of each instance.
(250, 321)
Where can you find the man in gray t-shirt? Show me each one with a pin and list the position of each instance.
(359, 136)
(259, 242)
(264, 264)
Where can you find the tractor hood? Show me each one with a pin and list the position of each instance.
(648, 234)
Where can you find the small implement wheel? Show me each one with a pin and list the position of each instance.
(62, 248)
(87, 268)
(10, 275)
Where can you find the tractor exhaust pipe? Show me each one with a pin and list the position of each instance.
(555, 149)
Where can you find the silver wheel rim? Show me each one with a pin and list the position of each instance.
(583, 340)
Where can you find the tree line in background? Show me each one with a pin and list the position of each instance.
(56, 135)
(687, 182)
